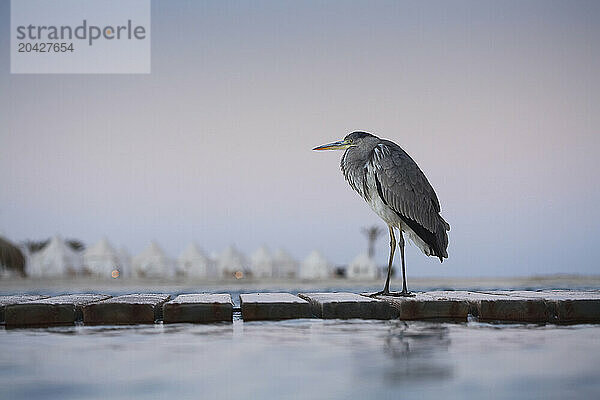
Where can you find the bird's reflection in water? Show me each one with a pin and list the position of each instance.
(418, 352)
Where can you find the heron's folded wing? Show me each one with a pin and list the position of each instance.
(404, 187)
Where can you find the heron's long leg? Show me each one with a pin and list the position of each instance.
(386, 288)
(401, 245)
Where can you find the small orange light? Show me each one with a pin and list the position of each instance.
(238, 274)
(115, 273)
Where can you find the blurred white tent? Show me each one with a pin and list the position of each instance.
(194, 262)
(231, 261)
(125, 262)
(261, 263)
(284, 266)
(152, 262)
(314, 266)
(57, 258)
(362, 267)
(101, 260)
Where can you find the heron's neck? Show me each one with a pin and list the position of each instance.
(357, 157)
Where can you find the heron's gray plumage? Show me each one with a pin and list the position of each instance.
(397, 190)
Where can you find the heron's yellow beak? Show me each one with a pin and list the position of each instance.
(341, 145)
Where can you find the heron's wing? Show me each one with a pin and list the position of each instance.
(404, 187)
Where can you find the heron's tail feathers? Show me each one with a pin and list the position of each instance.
(431, 243)
(441, 246)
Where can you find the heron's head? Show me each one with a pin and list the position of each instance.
(351, 140)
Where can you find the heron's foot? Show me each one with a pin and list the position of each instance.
(400, 294)
(393, 294)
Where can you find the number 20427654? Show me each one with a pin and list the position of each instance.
(44, 47)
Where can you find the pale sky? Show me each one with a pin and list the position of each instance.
(498, 102)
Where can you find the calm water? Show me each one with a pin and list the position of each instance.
(302, 359)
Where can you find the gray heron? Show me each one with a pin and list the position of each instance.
(392, 183)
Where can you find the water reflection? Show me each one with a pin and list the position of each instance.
(332, 359)
(417, 349)
(416, 339)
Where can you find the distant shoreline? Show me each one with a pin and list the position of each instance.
(81, 284)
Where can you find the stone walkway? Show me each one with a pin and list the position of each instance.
(549, 306)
